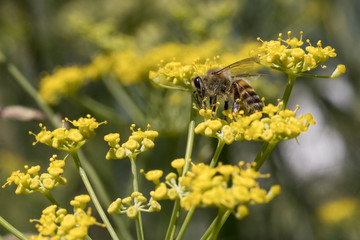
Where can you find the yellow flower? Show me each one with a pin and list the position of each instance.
(178, 76)
(57, 224)
(222, 187)
(288, 56)
(69, 140)
(63, 82)
(225, 186)
(139, 141)
(154, 176)
(31, 181)
(336, 211)
(269, 125)
(134, 204)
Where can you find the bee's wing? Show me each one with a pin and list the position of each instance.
(252, 76)
(240, 67)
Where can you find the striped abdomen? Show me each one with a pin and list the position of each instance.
(245, 98)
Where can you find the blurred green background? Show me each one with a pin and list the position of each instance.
(319, 172)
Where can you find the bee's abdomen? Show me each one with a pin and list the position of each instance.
(247, 96)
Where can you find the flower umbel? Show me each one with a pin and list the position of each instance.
(56, 223)
(139, 141)
(133, 204)
(288, 56)
(69, 140)
(225, 186)
(31, 181)
(270, 125)
(178, 76)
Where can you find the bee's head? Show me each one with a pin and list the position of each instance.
(198, 85)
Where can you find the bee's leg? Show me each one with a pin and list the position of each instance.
(213, 101)
(226, 107)
(196, 99)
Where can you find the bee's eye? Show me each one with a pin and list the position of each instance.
(197, 82)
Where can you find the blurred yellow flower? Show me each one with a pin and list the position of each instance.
(337, 211)
(129, 66)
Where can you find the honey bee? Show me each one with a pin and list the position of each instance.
(226, 84)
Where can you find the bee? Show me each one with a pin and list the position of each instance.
(225, 83)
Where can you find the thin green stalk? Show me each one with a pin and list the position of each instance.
(93, 195)
(189, 147)
(124, 100)
(214, 160)
(103, 196)
(51, 198)
(263, 154)
(267, 148)
(173, 220)
(12, 229)
(185, 223)
(218, 150)
(289, 87)
(216, 225)
(138, 221)
(190, 141)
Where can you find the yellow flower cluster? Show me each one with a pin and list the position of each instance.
(69, 140)
(56, 224)
(269, 125)
(138, 142)
(178, 76)
(31, 181)
(225, 186)
(129, 67)
(133, 204)
(64, 81)
(288, 56)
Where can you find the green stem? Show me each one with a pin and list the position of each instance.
(173, 220)
(214, 160)
(12, 229)
(289, 87)
(103, 195)
(267, 148)
(216, 225)
(138, 221)
(190, 141)
(51, 198)
(263, 154)
(218, 150)
(185, 223)
(170, 233)
(93, 195)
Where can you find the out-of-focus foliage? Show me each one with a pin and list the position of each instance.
(80, 41)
